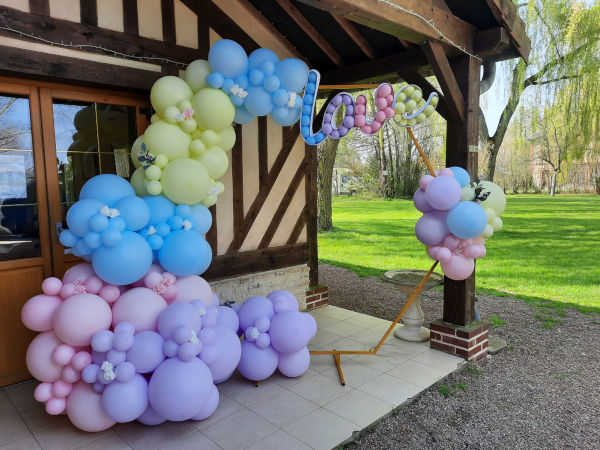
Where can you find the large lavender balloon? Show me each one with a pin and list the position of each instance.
(289, 332)
(443, 192)
(294, 364)
(257, 364)
(255, 308)
(229, 352)
(124, 402)
(431, 228)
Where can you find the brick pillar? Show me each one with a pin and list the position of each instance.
(469, 341)
(316, 297)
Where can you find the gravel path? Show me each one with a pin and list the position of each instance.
(542, 391)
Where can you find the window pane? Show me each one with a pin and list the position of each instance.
(19, 232)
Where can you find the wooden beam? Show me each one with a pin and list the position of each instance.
(263, 151)
(491, 43)
(311, 31)
(404, 21)
(443, 72)
(376, 69)
(413, 77)
(506, 14)
(89, 12)
(40, 7)
(235, 264)
(311, 213)
(212, 234)
(130, 17)
(168, 20)
(355, 35)
(295, 234)
(237, 175)
(407, 45)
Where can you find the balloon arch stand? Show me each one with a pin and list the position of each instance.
(136, 333)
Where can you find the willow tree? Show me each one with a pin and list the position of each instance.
(565, 50)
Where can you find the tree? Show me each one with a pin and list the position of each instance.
(553, 149)
(565, 49)
(326, 152)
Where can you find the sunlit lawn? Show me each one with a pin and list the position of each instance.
(549, 248)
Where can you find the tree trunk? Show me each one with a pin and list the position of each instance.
(326, 152)
(553, 184)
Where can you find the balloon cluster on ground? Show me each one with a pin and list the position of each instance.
(259, 84)
(153, 351)
(457, 218)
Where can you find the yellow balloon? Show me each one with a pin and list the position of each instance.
(197, 147)
(195, 74)
(185, 181)
(135, 149)
(138, 181)
(497, 224)
(487, 232)
(188, 125)
(215, 160)
(491, 215)
(468, 193)
(167, 139)
(213, 109)
(496, 200)
(209, 200)
(167, 91)
(171, 113)
(227, 138)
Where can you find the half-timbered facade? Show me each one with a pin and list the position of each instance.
(75, 77)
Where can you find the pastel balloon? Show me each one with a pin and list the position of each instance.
(195, 74)
(293, 74)
(176, 315)
(254, 308)
(79, 317)
(125, 263)
(496, 199)
(169, 90)
(466, 220)
(185, 181)
(443, 192)
(167, 139)
(106, 188)
(134, 211)
(228, 58)
(139, 182)
(210, 406)
(78, 272)
(461, 175)
(229, 352)
(431, 228)
(257, 364)
(294, 364)
(80, 213)
(178, 390)
(37, 313)
(421, 202)
(140, 307)
(458, 268)
(213, 109)
(228, 318)
(258, 56)
(228, 138)
(150, 417)
(202, 218)
(39, 357)
(124, 402)
(259, 101)
(191, 288)
(290, 302)
(215, 161)
(146, 353)
(289, 332)
(85, 411)
(184, 253)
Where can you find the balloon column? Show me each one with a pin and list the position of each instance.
(457, 218)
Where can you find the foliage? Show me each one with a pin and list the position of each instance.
(495, 321)
(542, 254)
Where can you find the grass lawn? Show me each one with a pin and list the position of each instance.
(548, 249)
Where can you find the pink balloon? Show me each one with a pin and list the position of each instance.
(389, 112)
(70, 375)
(93, 285)
(381, 103)
(424, 181)
(376, 126)
(384, 90)
(67, 290)
(360, 121)
(447, 172)
(51, 286)
(361, 100)
(109, 293)
(458, 268)
(78, 272)
(475, 251)
(360, 109)
(451, 241)
(56, 406)
(81, 360)
(444, 254)
(43, 392)
(80, 317)
(39, 357)
(38, 312)
(379, 117)
(193, 287)
(84, 408)
(139, 306)
(61, 388)
(62, 354)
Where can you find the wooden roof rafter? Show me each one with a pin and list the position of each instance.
(356, 36)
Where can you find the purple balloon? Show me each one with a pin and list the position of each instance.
(421, 202)
(178, 390)
(177, 314)
(311, 325)
(257, 364)
(443, 192)
(229, 352)
(150, 417)
(291, 303)
(210, 406)
(294, 364)
(228, 318)
(289, 332)
(254, 308)
(124, 402)
(431, 228)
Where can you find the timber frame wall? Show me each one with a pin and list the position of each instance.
(266, 218)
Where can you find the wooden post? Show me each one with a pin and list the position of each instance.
(311, 219)
(461, 150)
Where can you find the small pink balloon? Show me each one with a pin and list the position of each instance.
(443, 254)
(79, 317)
(81, 360)
(424, 181)
(384, 90)
(170, 294)
(39, 357)
(446, 171)
(62, 354)
(381, 103)
(109, 293)
(78, 272)
(475, 251)
(84, 408)
(191, 288)
(38, 312)
(93, 285)
(67, 290)
(375, 126)
(451, 242)
(61, 388)
(458, 268)
(152, 279)
(361, 100)
(43, 392)
(70, 375)
(51, 286)
(389, 112)
(366, 129)
(379, 117)
(360, 109)
(479, 241)
(360, 121)
(139, 306)
(432, 252)
(390, 99)
(56, 406)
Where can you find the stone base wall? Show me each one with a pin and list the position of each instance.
(294, 279)
(316, 297)
(470, 342)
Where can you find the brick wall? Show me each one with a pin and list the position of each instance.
(317, 296)
(293, 279)
(470, 342)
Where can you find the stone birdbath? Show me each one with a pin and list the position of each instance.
(407, 280)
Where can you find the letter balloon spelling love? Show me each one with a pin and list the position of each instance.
(457, 218)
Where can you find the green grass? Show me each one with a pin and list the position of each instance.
(547, 252)
(495, 321)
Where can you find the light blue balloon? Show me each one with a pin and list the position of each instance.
(79, 215)
(207, 252)
(98, 222)
(67, 239)
(293, 74)
(256, 77)
(228, 57)
(162, 229)
(92, 239)
(258, 101)
(82, 248)
(126, 263)
(268, 67)
(106, 188)
(202, 218)
(215, 80)
(242, 81)
(134, 211)
(285, 116)
(155, 241)
(461, 175)
(111, 237)
(183, 253)
(237, 101)
(161, 208)
(183, 210)
(175, 222)
(271, 83)
(227, 84)
(259, 55)
(242, 115)
(281, 97)
(466, 220)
